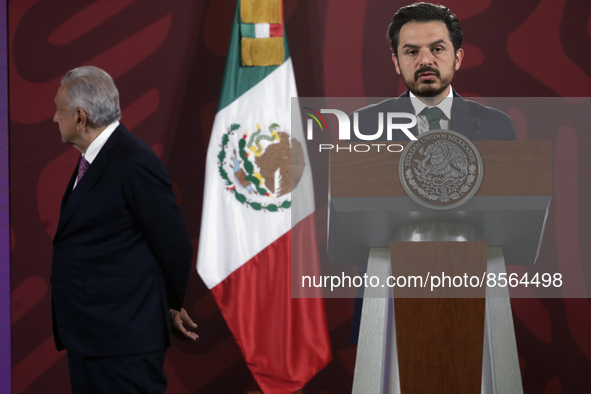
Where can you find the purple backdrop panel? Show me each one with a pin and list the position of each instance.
(4, 216)
(167, 58)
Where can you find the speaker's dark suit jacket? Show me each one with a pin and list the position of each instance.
(121, 254)
(471, 119)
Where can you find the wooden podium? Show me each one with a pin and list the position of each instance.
(454, 340)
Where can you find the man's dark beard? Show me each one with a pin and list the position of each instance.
(429, 93)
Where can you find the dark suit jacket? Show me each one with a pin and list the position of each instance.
(471, 119)
(121, 254)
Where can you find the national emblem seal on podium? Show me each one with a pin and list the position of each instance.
(442, 169)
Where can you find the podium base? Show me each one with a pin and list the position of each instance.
(376, 368)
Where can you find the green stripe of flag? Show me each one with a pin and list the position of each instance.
(248, 30)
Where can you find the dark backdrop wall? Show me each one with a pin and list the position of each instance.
(167, 57)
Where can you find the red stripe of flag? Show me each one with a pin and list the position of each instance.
(284, 340)
(276, 30)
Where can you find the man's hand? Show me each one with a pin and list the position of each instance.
(179, 319)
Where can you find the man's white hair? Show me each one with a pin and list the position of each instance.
(93, 90)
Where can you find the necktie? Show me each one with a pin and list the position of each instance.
(82, 167)
(434, 115)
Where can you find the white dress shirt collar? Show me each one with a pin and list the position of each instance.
(95, 146)
(444, 105)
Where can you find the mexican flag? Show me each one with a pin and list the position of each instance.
(258, 203)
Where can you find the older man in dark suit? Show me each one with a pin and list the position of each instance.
(122, 254)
